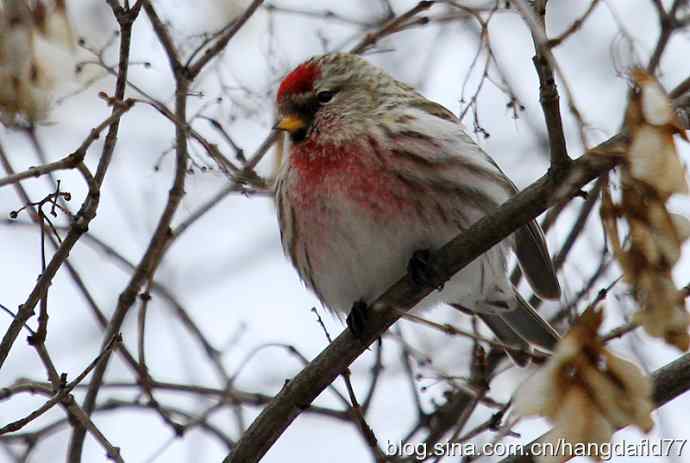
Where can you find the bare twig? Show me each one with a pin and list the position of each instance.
(73, 159)
(212, 51)
(668, 24)
(62, 393)
(548, 92)
(403, 21)
(574, 27)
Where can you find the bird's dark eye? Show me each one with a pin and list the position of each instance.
(325, 96)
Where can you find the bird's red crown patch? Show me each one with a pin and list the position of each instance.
(300, 80)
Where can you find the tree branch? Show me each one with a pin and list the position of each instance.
(73, 159)
(195, 68)
(548, 94)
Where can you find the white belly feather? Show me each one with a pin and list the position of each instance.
(359, 258)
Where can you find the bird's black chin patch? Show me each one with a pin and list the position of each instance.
(298, 135)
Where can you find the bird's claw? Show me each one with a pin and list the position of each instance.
(357, 319)
(422, 272)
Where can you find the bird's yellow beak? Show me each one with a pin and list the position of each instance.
(291, 123)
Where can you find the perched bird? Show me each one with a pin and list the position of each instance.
(376, 177)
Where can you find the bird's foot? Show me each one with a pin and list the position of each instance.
(422, 272)
(357, 319)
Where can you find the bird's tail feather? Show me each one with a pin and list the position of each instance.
(521, 328)
(508, 336)
(530, 325)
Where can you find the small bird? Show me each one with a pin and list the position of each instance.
(376, 178)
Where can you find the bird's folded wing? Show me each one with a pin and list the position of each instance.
(533, 255)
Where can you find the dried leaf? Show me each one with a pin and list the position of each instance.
(638, 386)
(655, 235)
(653, 159)
(663, 311)
(681, 225)
(578, 422)
(54, 24)
(652, 174)
(28, 69)
(586, 391)
(17, 39)
(656, 107)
